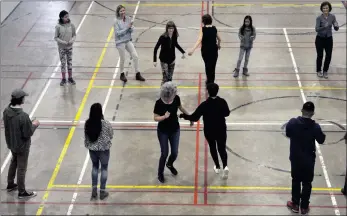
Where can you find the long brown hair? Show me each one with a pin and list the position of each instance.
(171, 24)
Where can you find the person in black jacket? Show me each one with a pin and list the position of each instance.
(168, 42)
(303, 132)
(344, 189)
(214, 110)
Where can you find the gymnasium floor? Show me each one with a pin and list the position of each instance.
(282, 60)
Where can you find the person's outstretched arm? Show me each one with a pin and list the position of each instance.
(156, 49)
(196, 115)
(198, 42)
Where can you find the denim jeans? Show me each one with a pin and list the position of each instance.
(102, 157)
(241, 54)
(19, 163)
(164, 139)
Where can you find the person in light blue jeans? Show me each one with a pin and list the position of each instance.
(247, 34)
(98, 140)
(123, 28)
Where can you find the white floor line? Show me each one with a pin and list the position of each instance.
(181, 122)
(232, 28)
(85, 164)
(43, 93)
(325, 171)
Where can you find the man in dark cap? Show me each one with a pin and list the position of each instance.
(303, 132)
(18, 131)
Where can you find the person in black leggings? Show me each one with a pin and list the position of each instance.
(214, 110)
(324, 38)
(209, 48)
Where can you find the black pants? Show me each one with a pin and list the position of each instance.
(302, 175)
(217, 141)
(323, 44)
(19, 164)
(210, 58)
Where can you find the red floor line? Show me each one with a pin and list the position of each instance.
(165, 204)
(197, 148)
(183, 79)
(26, 80)
(26, 34)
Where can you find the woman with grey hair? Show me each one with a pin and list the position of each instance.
(168, 130)
(123, 28)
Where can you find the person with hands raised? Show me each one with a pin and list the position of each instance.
(168, 42)
(168, 130)
(214, 111)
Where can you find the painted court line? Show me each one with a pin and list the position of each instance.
(232, 4)
(72, 130)
(325, 171)
(43, 93)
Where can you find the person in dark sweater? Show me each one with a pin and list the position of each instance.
(168, 43)
(209, 47)
(18, 131)
(344, 189)
(214, 110)
(324, 38)
(303, 132)
(165, 112)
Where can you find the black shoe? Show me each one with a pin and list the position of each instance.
(26, 194)
(172, 169)
(343, 191)
(139, 77)
(103, 195)
(123, 78)
(11, 187)
(161, 178)
(94, 194)
(71, 81)
(63, 82)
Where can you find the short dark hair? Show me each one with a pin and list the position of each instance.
(325, 4)
(206, 19)
(212, 89)
(16, 101)
(308, 106)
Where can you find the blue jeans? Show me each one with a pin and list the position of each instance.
(102, 157)
(164, 139)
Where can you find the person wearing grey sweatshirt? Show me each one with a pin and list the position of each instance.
(65, 36)
(247, 34)
(18, 131)
(324, 38)
(123, 28)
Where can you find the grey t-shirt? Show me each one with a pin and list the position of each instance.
(324, 25)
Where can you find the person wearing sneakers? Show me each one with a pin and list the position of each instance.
(324, 38)
(165, 112)
(18, 132)
(303, 132)
(98, 140)
(214, 111)
(65, 36)
(344, 189)
(247, 34)
(123, 28)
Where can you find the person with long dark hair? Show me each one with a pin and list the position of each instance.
(168, 42)
(247, 35)
(65, 35)
(208, 38)
(324, 38)
(98, 134)
(123, 28)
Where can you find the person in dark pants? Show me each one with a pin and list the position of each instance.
(324, 38)
(303, 132)
(214, 110)
(344, 189)
(18, 132)
(209, 47)
(168, 130)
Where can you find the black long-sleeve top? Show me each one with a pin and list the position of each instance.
(214, 111)
(167, 51)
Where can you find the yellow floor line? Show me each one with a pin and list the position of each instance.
(72, 130)
(189, 187)
(233, 87)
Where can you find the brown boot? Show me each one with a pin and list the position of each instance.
(123, 77)
(139, 77)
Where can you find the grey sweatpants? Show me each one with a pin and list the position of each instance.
(128, 46)
(241, 54)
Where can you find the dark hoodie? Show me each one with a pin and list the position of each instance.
(303, 132)
(18, 129)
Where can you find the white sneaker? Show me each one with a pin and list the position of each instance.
(216, 170)
(225, 173)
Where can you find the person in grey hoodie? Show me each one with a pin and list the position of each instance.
(65, 35)
(18, 131)
(247, 34)
(123, 28)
